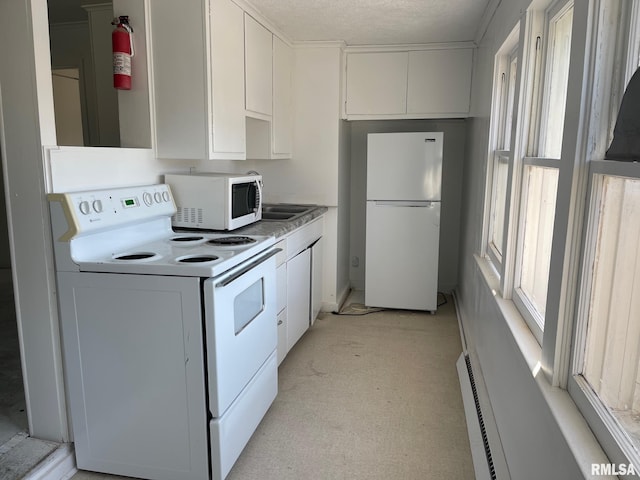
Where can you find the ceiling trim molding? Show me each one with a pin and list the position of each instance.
(320, 44)
(409, 47)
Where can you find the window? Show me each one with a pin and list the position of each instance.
(539, 194)
(539, 180)
(605, 380)
(559, 50)
(506, 67)
(612, 352)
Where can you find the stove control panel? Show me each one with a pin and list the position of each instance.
(95, 210)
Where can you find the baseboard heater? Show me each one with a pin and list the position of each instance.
(480, 450)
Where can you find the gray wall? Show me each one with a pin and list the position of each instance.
(454, 150)
(344, 209)
(531, 436)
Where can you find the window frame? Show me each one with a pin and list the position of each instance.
(607, 85)
(612, 436)
(500, 156)
(552, 15)
(531, 315)
(539, 60)
(504, 105)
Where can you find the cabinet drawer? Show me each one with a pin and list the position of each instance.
(303, 237)
(281, 257)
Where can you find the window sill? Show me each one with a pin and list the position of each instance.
(577, 434)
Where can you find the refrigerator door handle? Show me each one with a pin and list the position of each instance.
(405, 203)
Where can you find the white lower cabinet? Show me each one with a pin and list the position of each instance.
(316, 279)
(282, 335)
(299, 283)
(298, 296)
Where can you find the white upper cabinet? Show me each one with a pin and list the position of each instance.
(198, 79)
(258, 68)
(439, 81)
(227, 46)
(377, 83)
(427, 83)
(282, 121)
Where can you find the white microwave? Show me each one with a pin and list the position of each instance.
(215, 201)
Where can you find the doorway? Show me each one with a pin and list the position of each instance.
(13, 415)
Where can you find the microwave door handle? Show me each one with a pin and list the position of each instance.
(258, 206)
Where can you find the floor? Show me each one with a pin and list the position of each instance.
(13, 417)
(369, 395)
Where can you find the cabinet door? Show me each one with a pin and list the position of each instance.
(282, 336)
(377, 83)
(439, 81)
(316, 279)
(180, 90)
(258, 67)
(298, 296)
(227, 73)
(198, 81)
(281, 124)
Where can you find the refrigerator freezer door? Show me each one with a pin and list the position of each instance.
(404, 166)
(401, 268)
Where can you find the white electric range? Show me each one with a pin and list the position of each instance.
(169, 338)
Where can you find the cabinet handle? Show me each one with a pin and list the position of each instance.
(280, 322)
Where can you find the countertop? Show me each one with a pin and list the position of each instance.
(279, 228)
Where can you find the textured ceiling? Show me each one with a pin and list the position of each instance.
(356, 22)
(375, 22)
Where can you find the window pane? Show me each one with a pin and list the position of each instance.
(612, 352)
(500, 175)
(541, 189)
(557, 78)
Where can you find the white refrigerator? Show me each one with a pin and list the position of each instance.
(404, 172)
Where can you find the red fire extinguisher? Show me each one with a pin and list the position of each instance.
(122, 43)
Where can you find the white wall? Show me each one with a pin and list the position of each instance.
(454, 150)
(537, 442)
(71, 48)
(343, 283)
(26, 123)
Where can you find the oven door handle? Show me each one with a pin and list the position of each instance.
(246, 268)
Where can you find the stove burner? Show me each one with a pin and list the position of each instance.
(198, 259)
(136, 256)
(234, 240)
(187, 239)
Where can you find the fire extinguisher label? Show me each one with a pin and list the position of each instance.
(121, 63)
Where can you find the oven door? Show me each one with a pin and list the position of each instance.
(241, 331)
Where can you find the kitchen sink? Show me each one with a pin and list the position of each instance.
(284, 212)
(277, 215)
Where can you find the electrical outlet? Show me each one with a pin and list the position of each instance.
(355, 261)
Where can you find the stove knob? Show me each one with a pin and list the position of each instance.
(165, 196)
(97, 206)
(157, 197)
(148, 198)
(85, 209)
